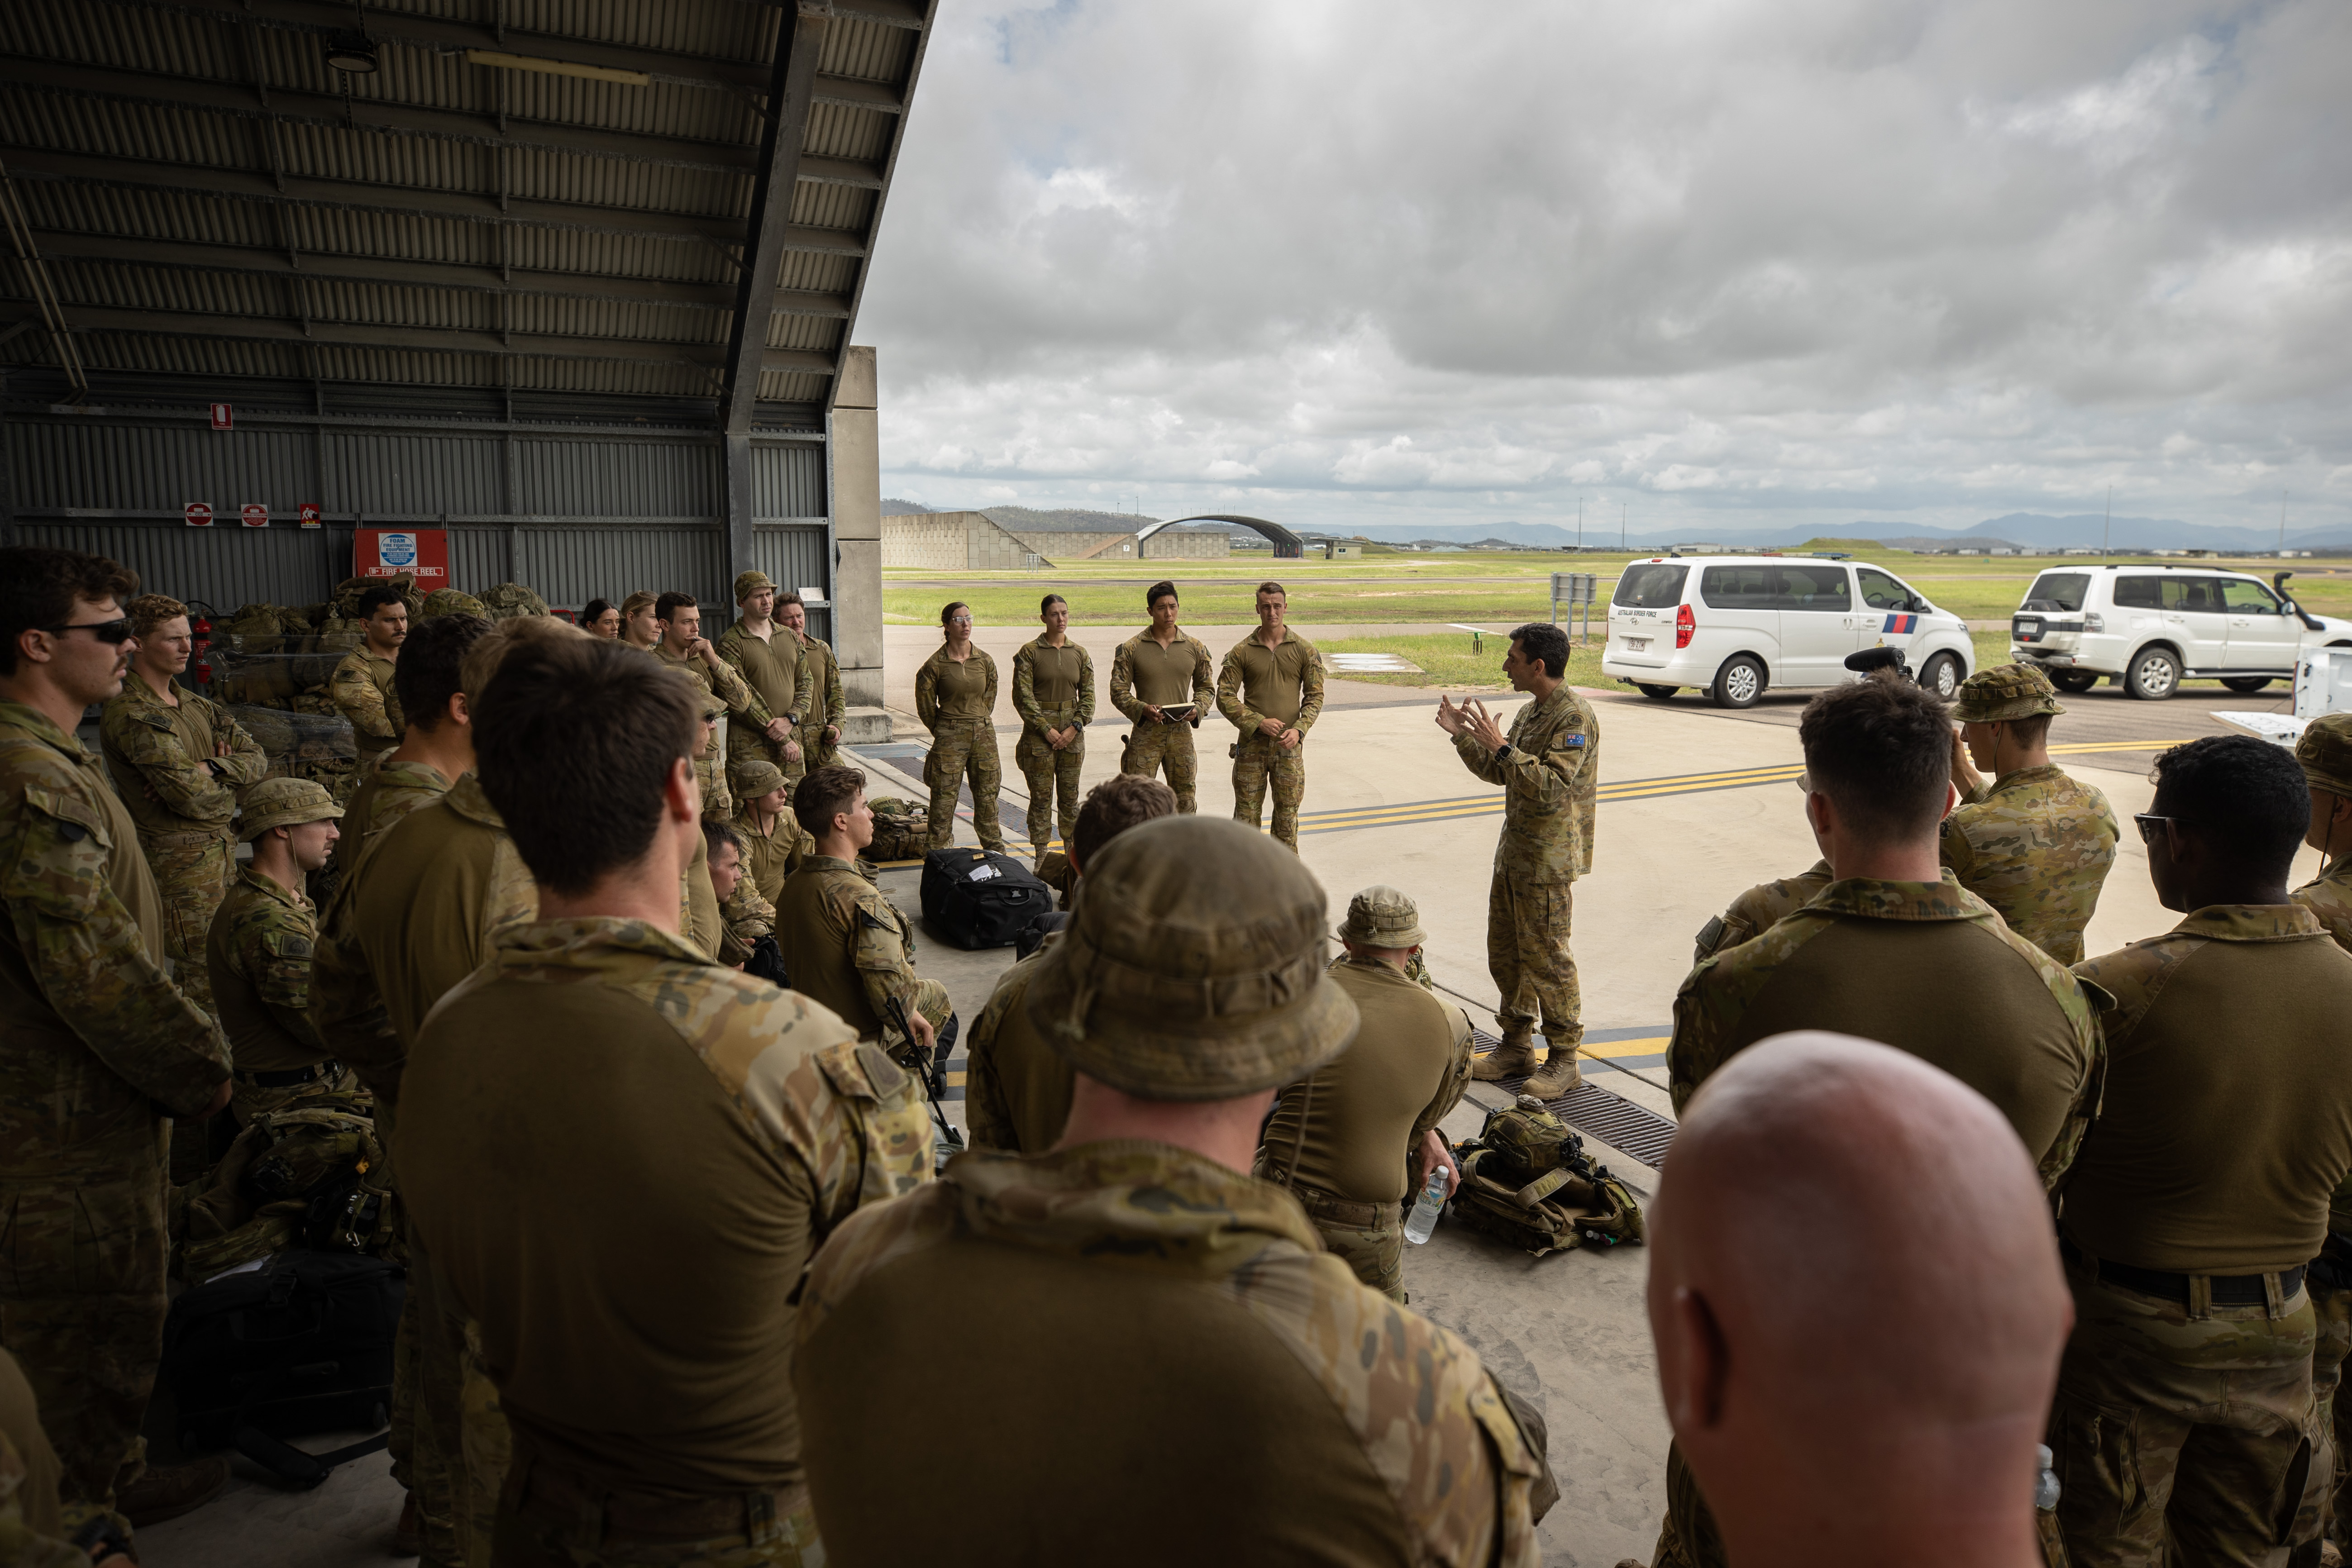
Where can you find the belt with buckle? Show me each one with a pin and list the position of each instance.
(1321, 1205)
(291, 1076)
(2222, 1290)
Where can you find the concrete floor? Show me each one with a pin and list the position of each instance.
(1566, 1330)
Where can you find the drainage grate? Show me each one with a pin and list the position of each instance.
(1614, 1120)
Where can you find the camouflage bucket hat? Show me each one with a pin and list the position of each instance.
(2005, 691)
(749, 583)
(751, 780)
(283, 803)
(1382, 916)
(2325, 753)
(1193, 966)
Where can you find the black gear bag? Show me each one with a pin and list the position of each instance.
(979, 897)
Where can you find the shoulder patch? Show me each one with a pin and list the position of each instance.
(1566, 741)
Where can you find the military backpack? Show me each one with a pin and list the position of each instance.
(1527, 1179)
(309, 1174)
(902, 830)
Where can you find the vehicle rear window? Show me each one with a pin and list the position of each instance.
(2139, 592)
(2189, 595)
(2065, 590)
(1740, 587)
(1651, 587)
(1817, 588)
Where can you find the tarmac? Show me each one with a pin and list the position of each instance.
(1698, 805)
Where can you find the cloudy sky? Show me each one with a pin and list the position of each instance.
(1746, 263)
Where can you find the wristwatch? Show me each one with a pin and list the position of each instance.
(1502, 750)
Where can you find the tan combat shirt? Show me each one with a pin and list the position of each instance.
(668, 1141)
(1350, 1129)
(1549, 770)
(2328, 897)
(773, 667)
(389, 793)
(1017, 1091)
(1925, 967)
(1193, 1378)
(1762, 908)
(157, 753)
(1283, 682)
(846, 945)
(81, 970)
(2036, 846)
(729, 688)
(363, 693)
(828, 703)
(259, 955)
(2228, 1120)
(774, 853)
(1054, 688)
(1145, 674)
(956, 691)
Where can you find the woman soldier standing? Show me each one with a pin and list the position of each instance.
(955, 698)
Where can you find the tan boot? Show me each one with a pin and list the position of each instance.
(1504, 1061)
(1559, 1074)
(168, 1492)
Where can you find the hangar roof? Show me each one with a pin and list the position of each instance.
(669, 204)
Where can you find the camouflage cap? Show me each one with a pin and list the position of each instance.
(751, 780)
(749, 583)
(283, 803)
(2005, 691)
(2325, 753)
(1193, 966)
(1382, 916)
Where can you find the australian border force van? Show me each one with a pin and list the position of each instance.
(1735, 626)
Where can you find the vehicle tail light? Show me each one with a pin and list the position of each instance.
(1686, 627)
(2094, 623)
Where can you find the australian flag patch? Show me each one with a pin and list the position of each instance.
(1901, 624)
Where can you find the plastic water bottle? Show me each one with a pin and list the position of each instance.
(1424, 1218)
(2045, 1485)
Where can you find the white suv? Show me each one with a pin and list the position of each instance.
(1737, 625)
(2152, 628)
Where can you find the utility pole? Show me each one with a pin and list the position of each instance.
(1579, 524)
(1621, 509)
(2282, 543)
(2107, 527)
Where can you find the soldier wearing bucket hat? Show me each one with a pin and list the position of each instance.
(2325, 753)
(1358, 1136)
(771, 662)
(774, 843)
(2031, 841)
(1138, 1295)
(259, 950)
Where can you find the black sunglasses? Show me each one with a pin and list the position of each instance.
(2151, 826)
(114, 631)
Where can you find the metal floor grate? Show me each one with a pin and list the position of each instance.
(1616, 1121)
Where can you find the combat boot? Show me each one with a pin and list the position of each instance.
(170, 1491)
(1559, 1074)
(1504, 1061)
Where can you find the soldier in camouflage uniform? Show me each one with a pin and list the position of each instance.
(1054, 692)
(2325, 750)
(821, 730)
(2225, 1131)
(1271, 689)
(1157, 669)
(1549, 766)
(178, 761)
(772, 665)
(744, 916)
(955, 698)
(1148, 1297)
(361, 685)
(97, 1047)
(1762, 908)
(685, 649)
(774, 843)
(2033, 843)
(259, 952)
(436, 742)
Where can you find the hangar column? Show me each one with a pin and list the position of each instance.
(857, 548)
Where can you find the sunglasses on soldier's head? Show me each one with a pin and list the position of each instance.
(117, 631)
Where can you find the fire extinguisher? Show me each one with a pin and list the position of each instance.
(200, 667)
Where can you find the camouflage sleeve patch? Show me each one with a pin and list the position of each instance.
(1238, 713)
(867, 1241)
(279, 970)
(1085, 688)
(987, 1115)
(184, 783)
(1310, 705)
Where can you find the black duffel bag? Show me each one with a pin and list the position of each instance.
(301, 1344)
(978, 898)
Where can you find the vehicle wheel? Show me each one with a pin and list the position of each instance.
(1740, 682)
(1942, 675)
(1656, 693)
(2154, 675)
(2247, 682)
(2073, 679)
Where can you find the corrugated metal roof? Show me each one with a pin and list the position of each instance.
(184, 162)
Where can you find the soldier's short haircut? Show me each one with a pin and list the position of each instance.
(1118, 803)
(148, 611)
(790, 596)
(38, 587)
(1273, 588)
(669, 603)
(718, 836)
(1546, 644)
(2031, 730)
(826, 793)
(432, 667)
(2246, 797)
(1882, 749)
(576, 740)
(482, 659)
(1157, 592)
(370, 600)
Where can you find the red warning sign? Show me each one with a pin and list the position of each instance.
(256, 514)
(224, 417)
(199, 513)
(313, 514)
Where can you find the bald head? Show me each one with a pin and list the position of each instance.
(1855, 1291)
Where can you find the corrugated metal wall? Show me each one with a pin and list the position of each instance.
(574, 565)
(217, 567)
(795, 558)
(788, 480)
(412, 474)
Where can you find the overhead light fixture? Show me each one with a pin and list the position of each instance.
(352, 52)
(554, 68)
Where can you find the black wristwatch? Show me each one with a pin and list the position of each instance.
(1502, 750)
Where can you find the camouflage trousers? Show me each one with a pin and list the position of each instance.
(248, 1100)
(1152, 747)
(81, 1307)
(549, 1519)
(747, 745)
(1526, 954)
(455, 1434)
(718, 800)
(193, 871)
(1050, 773)
(1687, 1537)
(2331, 1402)
(1258, 759)
(1367, 1237)
(2182, 1437)
(962, 752)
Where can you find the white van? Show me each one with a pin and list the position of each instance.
(2152, 628)
(1736, 625)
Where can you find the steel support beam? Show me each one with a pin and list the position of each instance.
(800, 42)
(925, 10)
